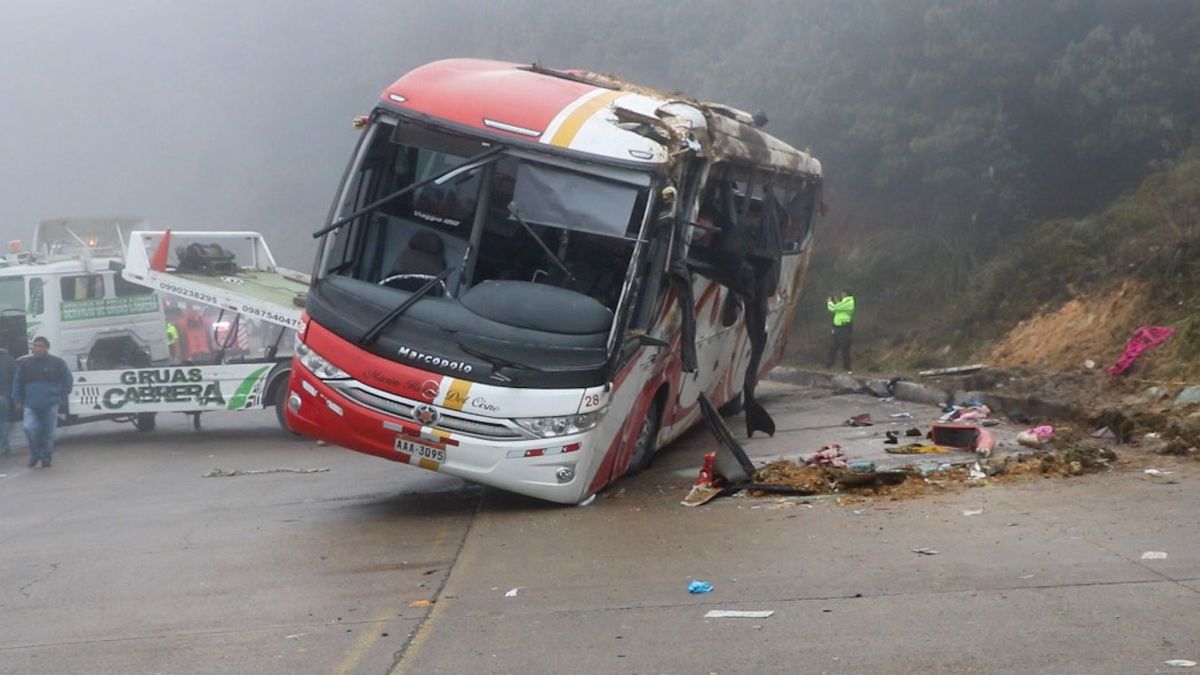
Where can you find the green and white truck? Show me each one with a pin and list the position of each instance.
(87, 286)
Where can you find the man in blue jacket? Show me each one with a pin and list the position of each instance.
(41, 382)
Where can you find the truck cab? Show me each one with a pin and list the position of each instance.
(69, 289)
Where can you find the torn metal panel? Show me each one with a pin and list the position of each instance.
(732, 463)
(731, 140)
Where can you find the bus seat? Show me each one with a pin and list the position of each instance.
(423, 255)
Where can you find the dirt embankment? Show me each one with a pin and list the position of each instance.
(1084, 329)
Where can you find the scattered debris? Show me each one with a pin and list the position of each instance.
(420, 603)
(976, 472)
(1154, 555)
(221, 473)
(918, 480)
(1105, 433)
(861, 466)
(964, 437)
(952, 371)
(1179, 663)
(913, 432)
(976, 413)
(901, 416)
(1029, 440)
(926, 551)
(861, 420)
(1188, 396)
(1036, 437)
(512, 592)
(917, 449)
(295, 636)
(703, 489)
(1144, 338)
(696, 587)
(892, 438)
(828, 455)
(972, 512)
(736, 614)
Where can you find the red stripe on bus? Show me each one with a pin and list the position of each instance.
(397, 378)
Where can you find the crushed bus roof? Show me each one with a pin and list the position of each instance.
(594, 114)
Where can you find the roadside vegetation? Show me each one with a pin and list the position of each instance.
(986, 164)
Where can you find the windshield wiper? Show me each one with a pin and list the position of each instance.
(374, 331)
(472, 163)
(545, 249)
(496, 362)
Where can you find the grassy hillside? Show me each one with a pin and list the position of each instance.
(1062, 292)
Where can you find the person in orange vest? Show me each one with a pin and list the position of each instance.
(843, 321)
(196, 332)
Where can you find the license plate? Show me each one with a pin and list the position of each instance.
(420, 452)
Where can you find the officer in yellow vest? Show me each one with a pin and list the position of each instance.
(173, 340)
(842, 308)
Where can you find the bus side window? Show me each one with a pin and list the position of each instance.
(37, 299)
(801, 199)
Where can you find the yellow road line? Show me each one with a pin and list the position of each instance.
(364, 642)
(464, 560)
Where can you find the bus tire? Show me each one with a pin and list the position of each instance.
(145, 421)
(281, 395)
(644, 450)
(733, 406)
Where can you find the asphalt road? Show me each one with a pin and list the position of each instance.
(124, 557)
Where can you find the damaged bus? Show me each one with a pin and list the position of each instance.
(533, 279)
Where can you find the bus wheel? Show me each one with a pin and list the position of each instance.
(145, 421)
(281, 396)
(643, 452)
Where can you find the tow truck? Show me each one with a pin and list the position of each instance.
(87, 286)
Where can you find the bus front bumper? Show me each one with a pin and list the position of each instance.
(552, 469)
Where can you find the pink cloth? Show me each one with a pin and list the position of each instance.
(1044, 432)
(1145, 337)
(828, 455)
(974, 414)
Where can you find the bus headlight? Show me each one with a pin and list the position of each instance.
(317, 364)
(562, 425)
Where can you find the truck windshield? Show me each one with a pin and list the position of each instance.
(12, 296)
(532, 250)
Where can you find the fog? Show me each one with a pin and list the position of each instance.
(211, 114)
(942, 118)
(196, 115)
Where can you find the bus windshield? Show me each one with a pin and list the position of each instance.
(536, 245)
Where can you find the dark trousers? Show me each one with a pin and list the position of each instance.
(840, 342)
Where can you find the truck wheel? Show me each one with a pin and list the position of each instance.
(643, 452)
(145, 421)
